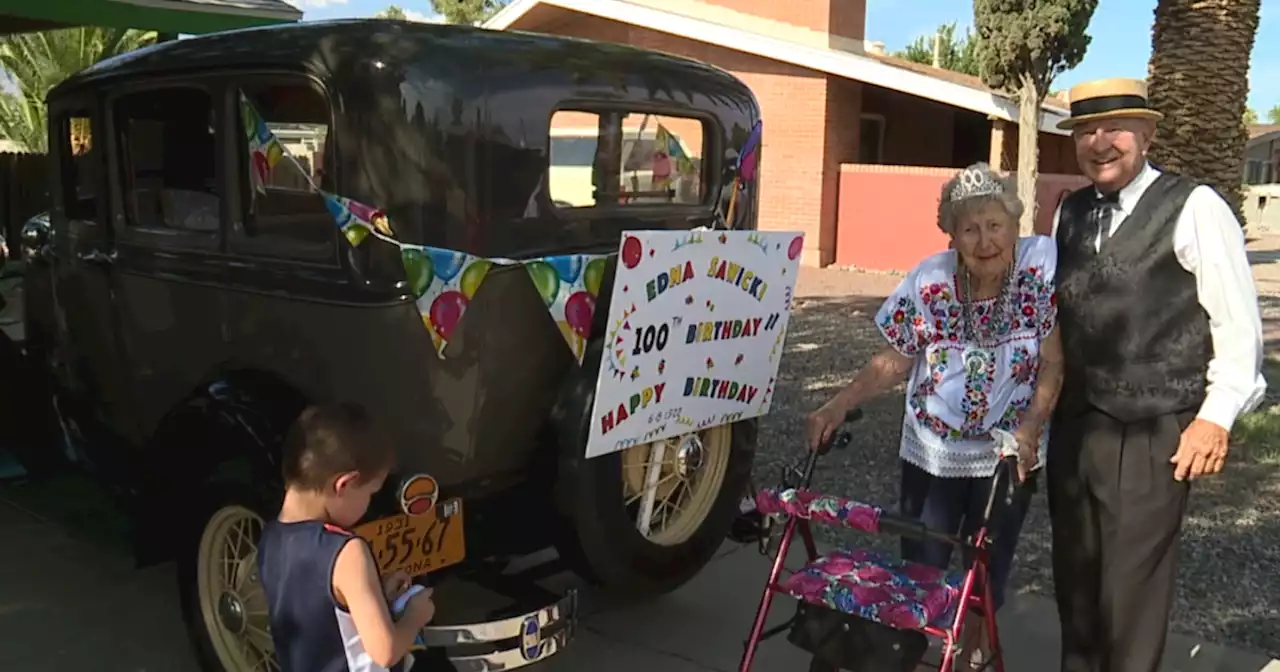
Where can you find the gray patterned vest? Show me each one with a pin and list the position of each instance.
(1136, 339)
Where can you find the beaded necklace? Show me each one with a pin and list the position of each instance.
(976, 357)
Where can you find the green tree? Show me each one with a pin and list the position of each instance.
(392, 12)
(36, 62)
(1273, 115)
(469, 12)
(1203, 99)
(1022, 46)
(956, 54)
(1250, 116)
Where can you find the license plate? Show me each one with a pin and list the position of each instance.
(417, 544)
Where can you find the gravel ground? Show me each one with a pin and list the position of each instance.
(1230, 556)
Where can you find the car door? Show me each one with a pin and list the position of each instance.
(168, 206)
(93, 374)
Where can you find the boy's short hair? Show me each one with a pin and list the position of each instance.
(333, 439)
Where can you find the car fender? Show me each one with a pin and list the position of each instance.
(229, 428)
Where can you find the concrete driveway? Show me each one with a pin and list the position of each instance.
(68, 604)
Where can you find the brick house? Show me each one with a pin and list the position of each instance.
(856, 143)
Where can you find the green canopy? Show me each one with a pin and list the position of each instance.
(163, 16)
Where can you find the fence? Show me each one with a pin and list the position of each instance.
(24, 191)
(888, 214)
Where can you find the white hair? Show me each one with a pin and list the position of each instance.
(973, 188)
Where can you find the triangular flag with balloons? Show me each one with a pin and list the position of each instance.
(444, 282)
(569, 285)
(265, 151)
(355, 218)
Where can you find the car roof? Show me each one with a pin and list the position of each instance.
(325, 47)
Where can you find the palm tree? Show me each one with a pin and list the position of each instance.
(36, 62)
(1200, 79)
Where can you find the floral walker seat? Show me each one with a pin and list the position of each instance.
(859, 582)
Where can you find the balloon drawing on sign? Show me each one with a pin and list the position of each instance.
(417, 269)
(568, 267)
(445, 312)
(473, 276)
(797, 246)
(447, 263)
(631, 251)
(545, 280)
(593, 276)
(578, 311)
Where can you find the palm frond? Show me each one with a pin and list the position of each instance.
(37, 62)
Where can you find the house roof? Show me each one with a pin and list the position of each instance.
(168, 16)
(923, 81)
(1259, 130)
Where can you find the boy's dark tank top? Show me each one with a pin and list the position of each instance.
(311, 631)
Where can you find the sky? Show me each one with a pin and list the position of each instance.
(1121, 31)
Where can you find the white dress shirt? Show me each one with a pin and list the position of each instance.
(1209, 243)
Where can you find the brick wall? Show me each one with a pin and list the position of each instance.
(888, 214)
(843, 18)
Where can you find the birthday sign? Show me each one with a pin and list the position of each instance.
(695, 332)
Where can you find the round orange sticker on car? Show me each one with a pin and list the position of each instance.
(418, 494)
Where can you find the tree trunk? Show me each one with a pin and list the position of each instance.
(1029, 99)
(1200, 79)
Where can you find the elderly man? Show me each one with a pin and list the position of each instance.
(1163, 346)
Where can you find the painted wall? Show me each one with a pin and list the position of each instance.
(888, 214)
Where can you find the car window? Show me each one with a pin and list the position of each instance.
(81, 164)
(167, 153)
(621, 158)
(288, 216)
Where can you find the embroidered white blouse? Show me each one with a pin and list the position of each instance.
(951, 408)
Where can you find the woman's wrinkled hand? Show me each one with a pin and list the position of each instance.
(824, 422)
(1028, 450)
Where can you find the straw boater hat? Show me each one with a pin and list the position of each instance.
(1107, 98)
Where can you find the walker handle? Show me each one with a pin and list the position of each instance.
(838, 441)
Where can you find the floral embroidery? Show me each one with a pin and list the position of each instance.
(903, 326)
(886, 590)
(829, 509)
(1022, 366)
(947, 404)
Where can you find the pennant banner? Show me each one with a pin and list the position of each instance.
(443, 281)
(569, 285)
(748, 163)
(265, 150)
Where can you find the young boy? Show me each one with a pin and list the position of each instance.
(328, 607)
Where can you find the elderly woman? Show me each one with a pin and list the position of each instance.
(975, 327)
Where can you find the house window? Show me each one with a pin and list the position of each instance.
(619, 158)
(167, 160)
(1253, 172)
(81, 165)
(871, 139)
(288, 218)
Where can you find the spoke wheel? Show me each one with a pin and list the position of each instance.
(669, 486)
(232, 602)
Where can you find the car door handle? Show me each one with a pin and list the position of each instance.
(98, 257)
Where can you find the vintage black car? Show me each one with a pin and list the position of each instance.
(175, 326)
